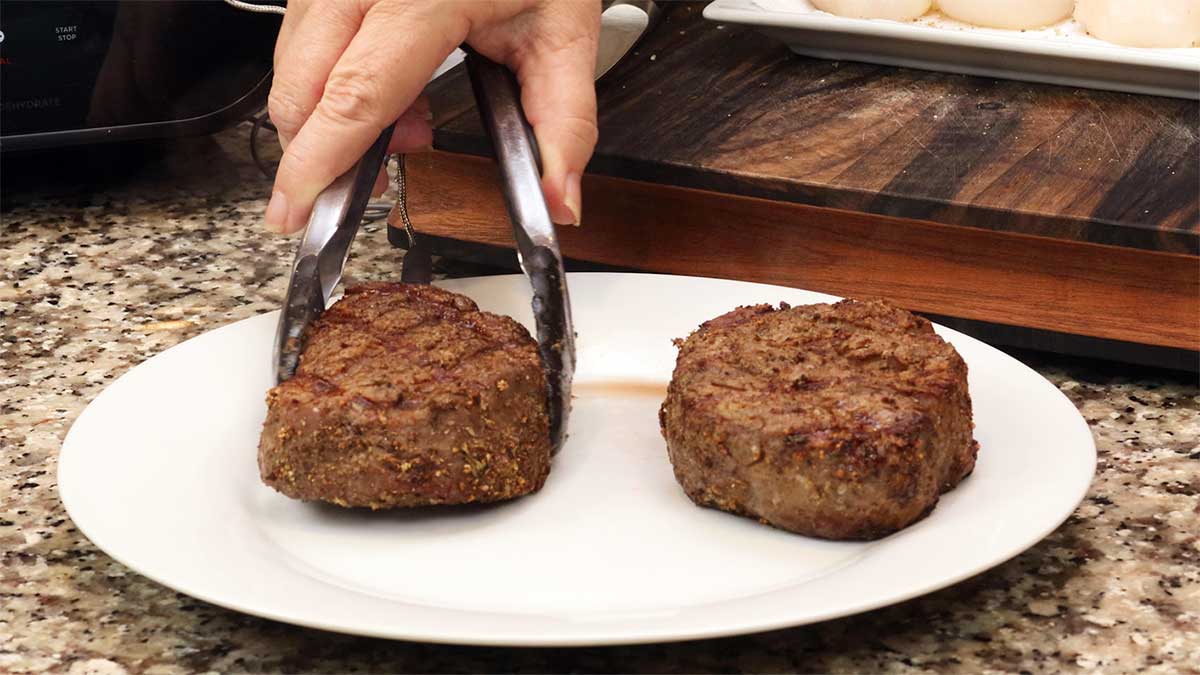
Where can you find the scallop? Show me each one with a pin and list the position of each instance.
(896, 10)
(1012, 14)
(1138, 23)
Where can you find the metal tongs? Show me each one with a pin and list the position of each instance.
(339, 209)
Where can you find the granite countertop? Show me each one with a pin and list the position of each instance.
(163, 243)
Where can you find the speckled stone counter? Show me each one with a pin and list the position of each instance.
(164, 243)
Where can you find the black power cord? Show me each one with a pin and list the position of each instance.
(259, 122)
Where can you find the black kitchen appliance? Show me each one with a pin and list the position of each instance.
(80, 72)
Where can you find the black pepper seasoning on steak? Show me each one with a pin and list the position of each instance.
(842, 421)
(408, 395)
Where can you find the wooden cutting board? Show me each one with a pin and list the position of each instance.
(1046, 216)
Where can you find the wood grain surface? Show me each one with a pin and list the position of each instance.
(1115, 293)
(1028, 207)
(727, 109)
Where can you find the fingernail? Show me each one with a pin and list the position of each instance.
(275, 219)
(297, 220)
(573, 196)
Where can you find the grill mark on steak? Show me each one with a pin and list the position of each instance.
(440, 373)
(409, 395)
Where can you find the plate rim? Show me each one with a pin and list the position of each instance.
(605, 633)
(1169, 72)
(751, 13)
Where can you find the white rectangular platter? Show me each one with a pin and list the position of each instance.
(1060, 54)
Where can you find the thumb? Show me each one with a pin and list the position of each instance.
(558, 94)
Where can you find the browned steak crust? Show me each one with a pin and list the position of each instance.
(408, 395)
(842, 421)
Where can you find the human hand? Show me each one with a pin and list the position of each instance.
(346, 69)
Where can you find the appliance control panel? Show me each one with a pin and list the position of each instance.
(76, 64)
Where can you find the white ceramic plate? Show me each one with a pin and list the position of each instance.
(160, 472)
(1060, 54)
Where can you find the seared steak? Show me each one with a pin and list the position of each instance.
(842, 421)
(408, 395)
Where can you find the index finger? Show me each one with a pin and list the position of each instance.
(306, 51)
(377, 78)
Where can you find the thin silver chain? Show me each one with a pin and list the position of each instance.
(255, 7)
(402, 200)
